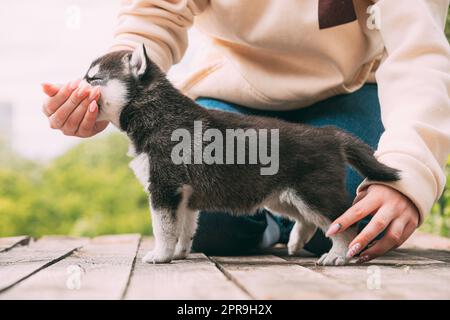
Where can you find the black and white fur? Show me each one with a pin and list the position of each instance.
(308, 188)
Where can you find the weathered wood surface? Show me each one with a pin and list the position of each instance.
(195, 278)
(271, 277)
(394, 276)
(20, 263)
(9, 243)
(98, 270)
(110, 267)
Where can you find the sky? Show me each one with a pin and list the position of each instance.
(52, 41)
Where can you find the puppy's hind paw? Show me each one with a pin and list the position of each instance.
(294, 248)
(156, 257)
(180, 254)
(332, 259)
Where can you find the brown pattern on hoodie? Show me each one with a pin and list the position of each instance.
(333, 13)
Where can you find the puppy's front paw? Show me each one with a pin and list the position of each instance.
(157, 257)
(180, 254)
(332, 259)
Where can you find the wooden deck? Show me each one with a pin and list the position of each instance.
(110, 267)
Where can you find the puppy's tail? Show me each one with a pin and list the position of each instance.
(360, 156)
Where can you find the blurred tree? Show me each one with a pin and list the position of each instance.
(88, 191)
(438, 221)
(447, 27)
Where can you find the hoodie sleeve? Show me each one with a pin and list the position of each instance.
(160, 24)
(414, 90)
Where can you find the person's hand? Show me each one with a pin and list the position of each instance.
(391, 210)
(72, 108)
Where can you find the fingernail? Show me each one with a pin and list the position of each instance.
(45, 86)
(93, 106)
(333, 229)
(353, 250)
(66, 87)
(82, 83)
(363, 259)
(74, 84)
(94, 93)
(83, 90)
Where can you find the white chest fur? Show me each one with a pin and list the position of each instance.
(140, 166)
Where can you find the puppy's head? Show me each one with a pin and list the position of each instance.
(120, 75)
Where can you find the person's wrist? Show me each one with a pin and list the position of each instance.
(115, 48)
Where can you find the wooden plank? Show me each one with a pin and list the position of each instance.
(394, 258)
(98, 270)
(394, 276)
(10, 242)
(422, 240)
(193, 278)
(271, 277)
(398, 258)
(22, 262)
(439, 255)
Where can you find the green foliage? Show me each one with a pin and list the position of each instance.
(447, 27)
(88, 191)
(438, 221)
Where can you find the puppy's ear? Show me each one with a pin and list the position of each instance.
(139, 61)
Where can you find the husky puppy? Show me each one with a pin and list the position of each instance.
(309, 186)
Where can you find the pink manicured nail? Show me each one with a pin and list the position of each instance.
(74, 84)
(363, 259)
(46, 85)
(94, 93)
(333, 229)
(83, 90)
(353, 250)
(66, 87)
(93, 106)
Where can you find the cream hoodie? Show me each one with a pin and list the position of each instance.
(288, 54)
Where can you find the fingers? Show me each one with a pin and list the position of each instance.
(73, 122)
(379, 222)
(73, 108)
(397, 233)
(368, 204)
(50, 89)
(58, 99)
(392, 212)
(100, 126)
(61, 115)
(359, 196)
(87, 127)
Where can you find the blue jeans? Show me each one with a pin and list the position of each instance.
(358, 113)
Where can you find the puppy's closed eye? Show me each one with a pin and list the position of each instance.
(95, 80)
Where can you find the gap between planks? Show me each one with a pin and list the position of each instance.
(7, 244)
(271, 277)
(100, 269)
(42, 274)
(194, 278)
(21, 263)
(112, 269)
(393, 276)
